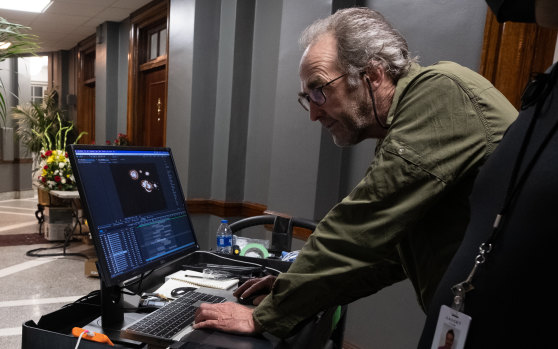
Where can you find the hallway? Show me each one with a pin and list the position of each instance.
(33, 286)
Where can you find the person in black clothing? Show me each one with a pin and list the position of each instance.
(512, 236)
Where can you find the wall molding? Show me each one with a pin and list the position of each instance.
(222, 208)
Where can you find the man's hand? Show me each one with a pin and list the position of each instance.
(260, 286)
(226, 317)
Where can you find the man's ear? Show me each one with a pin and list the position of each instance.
(374, 75)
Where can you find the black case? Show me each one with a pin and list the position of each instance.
(54, 329)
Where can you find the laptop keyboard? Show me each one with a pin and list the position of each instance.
(172, 318)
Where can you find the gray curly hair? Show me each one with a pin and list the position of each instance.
(364, 38)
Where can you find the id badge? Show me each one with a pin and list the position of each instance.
(451, 329)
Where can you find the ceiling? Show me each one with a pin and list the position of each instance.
(67, 22)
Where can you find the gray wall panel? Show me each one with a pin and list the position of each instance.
(179, 92)
(265, 59)
(295, 140)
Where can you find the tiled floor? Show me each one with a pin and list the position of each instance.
(33, 286)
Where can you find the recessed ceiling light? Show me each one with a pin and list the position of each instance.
(26, 5)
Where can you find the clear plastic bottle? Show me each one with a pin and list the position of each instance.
(224, 237)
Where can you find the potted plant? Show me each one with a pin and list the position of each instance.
(44, 134)
(35, 121)
(13, 42)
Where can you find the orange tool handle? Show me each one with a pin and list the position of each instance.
(95, 337)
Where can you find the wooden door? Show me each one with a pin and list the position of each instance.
(147, 75)
(513, 52)
(154, 121)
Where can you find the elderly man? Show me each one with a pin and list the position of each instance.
(435, 127)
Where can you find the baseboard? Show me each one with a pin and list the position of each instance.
(22, 194)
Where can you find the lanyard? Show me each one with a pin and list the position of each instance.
(515, 184)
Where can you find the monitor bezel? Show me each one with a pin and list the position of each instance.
(102, 263)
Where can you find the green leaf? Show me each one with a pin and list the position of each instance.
(20, 43)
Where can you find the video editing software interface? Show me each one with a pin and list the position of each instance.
(136, 208)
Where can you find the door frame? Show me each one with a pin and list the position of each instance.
(144, 17)
(86, 53)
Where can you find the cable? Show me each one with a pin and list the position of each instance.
(79, 338)
(90, 295)
(235, 260)
(139, 280)
(382, 125)
(39, 214)
(32, 253)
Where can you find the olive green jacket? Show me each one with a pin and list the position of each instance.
(407, 216)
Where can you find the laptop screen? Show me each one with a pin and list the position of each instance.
(135, 208)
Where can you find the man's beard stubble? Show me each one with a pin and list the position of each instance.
(356, 125)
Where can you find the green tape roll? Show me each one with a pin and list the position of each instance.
(257, 248)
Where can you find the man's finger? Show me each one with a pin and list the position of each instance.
(240, 290)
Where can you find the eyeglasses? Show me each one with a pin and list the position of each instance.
(316, 95)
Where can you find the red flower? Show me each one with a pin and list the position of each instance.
(57, 178)
(108, 142)
(43, 179)
(48, 153)
(46, 167)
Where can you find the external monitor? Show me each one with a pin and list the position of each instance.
(135, 208)
(136, 213)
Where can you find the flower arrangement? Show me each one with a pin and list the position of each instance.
(56, 171)
(122, 139)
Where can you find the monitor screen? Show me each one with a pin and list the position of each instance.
(135, 208)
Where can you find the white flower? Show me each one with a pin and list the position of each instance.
(63, 180)
(56, 172)
(61, 164)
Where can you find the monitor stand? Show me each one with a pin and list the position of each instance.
(112, 312)
(113, 318)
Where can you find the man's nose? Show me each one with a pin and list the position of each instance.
(316, 112)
